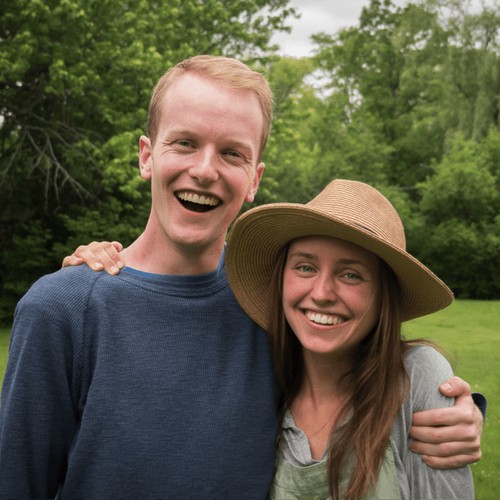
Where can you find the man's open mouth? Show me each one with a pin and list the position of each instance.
(197, 202)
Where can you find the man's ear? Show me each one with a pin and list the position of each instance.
(145, 157)
(255, 182)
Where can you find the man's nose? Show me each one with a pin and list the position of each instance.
(205, 168)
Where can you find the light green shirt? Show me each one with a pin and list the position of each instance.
(300, 482)
(403, 474)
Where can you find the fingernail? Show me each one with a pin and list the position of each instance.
(446, 386)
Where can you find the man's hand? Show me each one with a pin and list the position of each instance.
(449, 437)
(98, 256)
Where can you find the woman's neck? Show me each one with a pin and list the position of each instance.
(317, 407)
(323, 375)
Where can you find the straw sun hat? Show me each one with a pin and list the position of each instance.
(349, 210)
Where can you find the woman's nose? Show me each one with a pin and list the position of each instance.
(324, 289)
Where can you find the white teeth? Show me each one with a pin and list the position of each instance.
(323, 319)
(196, 198)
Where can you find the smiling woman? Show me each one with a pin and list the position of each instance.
(330, 291)
(331, 282)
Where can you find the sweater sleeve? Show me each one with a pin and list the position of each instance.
(426, 369)
(39, 401)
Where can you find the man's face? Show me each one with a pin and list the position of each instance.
(204, 162)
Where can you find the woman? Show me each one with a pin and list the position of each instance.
(331, 282)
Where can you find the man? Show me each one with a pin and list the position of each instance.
(155, 383)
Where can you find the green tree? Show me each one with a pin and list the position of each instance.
(459, 235)
(412, 106)
(386, 68)
(471, 69)
(75, 82)
(290, 154)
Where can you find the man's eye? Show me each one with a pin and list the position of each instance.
(185, 143)
(233, 154)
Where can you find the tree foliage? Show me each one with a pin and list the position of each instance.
(413, 106)
(75, 81)
(459, 233)
(408, 100)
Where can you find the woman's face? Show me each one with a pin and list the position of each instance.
(330, 293)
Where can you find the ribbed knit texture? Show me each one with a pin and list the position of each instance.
(136, 386)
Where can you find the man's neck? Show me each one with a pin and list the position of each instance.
(148, 256)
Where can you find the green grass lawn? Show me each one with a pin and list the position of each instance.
(4, 350)
(470, 332)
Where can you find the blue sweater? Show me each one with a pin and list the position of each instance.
(136, 386)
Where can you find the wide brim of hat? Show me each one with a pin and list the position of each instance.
(258, 235)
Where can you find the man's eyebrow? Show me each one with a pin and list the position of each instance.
(180, 131)
(242, 146)
(229, 143)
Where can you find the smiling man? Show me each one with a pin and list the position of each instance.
(155, 383)
(203, 163)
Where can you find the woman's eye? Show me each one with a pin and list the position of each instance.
(352, 276)
(305, 269)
